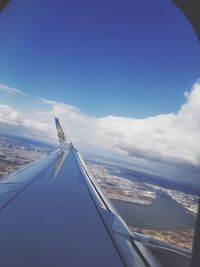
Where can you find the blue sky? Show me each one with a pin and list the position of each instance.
(128, 58)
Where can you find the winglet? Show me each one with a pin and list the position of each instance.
(61, 134)
(64, 140)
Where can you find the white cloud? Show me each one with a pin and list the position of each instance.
(169, 138)
(36, 125)
(9, 114)
(186, 94)
(11, 90)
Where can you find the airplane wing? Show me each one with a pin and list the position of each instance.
(54, 214)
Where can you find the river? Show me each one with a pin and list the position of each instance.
(163, 214)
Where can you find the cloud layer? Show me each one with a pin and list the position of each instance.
(11, 90)
(169, 138)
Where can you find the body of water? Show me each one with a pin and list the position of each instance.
(163, 214)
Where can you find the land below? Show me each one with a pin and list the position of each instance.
(163, 213)
(16, 153)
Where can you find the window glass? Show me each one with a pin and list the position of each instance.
(123, 78)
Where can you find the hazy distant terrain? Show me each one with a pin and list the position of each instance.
(17, 152)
